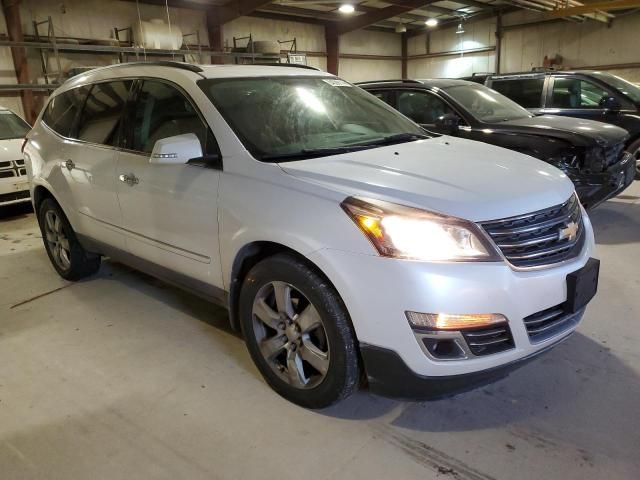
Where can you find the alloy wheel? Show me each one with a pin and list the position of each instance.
(57, 240)
(636, 158)
(290, 335)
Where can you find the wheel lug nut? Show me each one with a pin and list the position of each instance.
(281, 326)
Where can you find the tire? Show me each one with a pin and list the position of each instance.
(634, 148)
(68, 257)
(316, 328)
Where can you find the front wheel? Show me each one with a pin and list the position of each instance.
(69, 258)
(298, 332)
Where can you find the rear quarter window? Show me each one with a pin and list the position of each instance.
(62, 110)
(525, 91)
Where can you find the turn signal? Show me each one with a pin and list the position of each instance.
(447, 321)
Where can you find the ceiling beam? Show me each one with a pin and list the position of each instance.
(235, 9)
(299, 12)
(366, 19)
(592, 8)
(475, 3)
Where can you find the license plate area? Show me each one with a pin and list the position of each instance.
(582, 286)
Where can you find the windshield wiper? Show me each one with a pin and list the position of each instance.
(397, 138)
(322, 152)
(312, 153)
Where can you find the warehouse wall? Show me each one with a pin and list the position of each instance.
(96, 19)
(587, 44)
(477, 35)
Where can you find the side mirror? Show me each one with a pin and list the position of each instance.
(176, 150)
(610, 104)
(448, 123)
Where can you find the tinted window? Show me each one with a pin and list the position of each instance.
(102, 111)
(525, 91)
(12, 126)
(384, 95)
(162, 111)
(620, 84)
(576, 93)
(422, 107)
(62, 110)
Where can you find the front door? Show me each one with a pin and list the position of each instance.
(169, 212)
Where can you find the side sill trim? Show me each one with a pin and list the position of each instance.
(202, 289)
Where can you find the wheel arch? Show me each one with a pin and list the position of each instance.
(250, 255)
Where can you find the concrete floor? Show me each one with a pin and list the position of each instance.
(121, 376)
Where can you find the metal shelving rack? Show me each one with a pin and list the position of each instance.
(50, 44)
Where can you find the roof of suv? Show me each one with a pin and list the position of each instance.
(169, 69)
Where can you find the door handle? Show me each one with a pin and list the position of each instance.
(130, 180)
(69, 164)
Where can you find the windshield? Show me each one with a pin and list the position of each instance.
(627, 88)
(486, 105)
(300, 117)
(12, 126)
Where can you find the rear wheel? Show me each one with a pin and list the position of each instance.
(298, 332)
(68, 257)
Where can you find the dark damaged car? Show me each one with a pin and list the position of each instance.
(591, 153)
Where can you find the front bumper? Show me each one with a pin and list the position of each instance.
(14, 190)
(377, 292)
(593, 189)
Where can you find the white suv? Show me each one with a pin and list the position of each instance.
(14, 183)
(345, 241)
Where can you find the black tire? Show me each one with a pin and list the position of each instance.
(81, 263)
(634, 148)
(343, 372)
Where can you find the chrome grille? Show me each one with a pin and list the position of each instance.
(539, 238)
(13, 168)
(550, 322)
(488, 340)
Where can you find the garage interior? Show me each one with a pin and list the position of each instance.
(123, 376)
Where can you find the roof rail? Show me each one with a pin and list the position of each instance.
(276, 64)
(161, 63)
(388, 81)
(477, 74)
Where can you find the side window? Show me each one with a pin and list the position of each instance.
(384, 95)
(576, 93)
(162, 111)
(422, 107)
(525, 91)
(100, 117)
(62, 110)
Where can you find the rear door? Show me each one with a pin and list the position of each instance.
(169, 212)
(90, 155)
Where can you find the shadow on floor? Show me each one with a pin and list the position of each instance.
(15, 211)
(616, 222)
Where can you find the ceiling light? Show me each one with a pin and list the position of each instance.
(460, 28)
(431, 22)
(346, 8)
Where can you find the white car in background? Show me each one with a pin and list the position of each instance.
(344, 239)
(14, 183)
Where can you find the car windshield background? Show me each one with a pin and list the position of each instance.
(627, 88)
(12, 126)
(289, 115)
(485, 104)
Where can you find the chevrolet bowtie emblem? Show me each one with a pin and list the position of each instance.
(569, 232)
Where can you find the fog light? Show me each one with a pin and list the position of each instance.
(447, 321)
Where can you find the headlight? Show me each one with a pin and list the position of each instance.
(406, 232)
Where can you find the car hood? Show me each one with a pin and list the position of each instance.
(457, 177)
(578, 131)
(11, 149)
